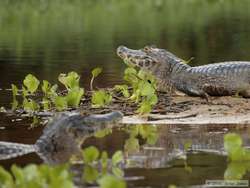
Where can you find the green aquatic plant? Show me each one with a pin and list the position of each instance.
(38, 176)
(60, 103)
(70, 80)
(234, 148)
(14, 103)
(110, 181)
(101, 98)
(123, 89)
(30, 105)
(147, 132)
(92, 156)
(50, 96)
(74, 92)
(74, 97)
(239, 157)
(143, 89)
(49, 90)
(95, 72)
(31, 83)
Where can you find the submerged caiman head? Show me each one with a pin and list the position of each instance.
(149, 58)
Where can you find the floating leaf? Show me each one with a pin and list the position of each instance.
(103, 133)
(117, 157)
(31, 83)
(101, 98)
(90, 154)
(70, 81)
(25, 92)
(132, 144)
(144, 107)
(6, 179)
(235, 171)
(46, 104)
(234, 148)
(74, 97)
(123, 89)
(60, 103)
(90, 174)
(117, 172)
(14, 90)
(46, 87)
(104, 162)
(30, 105)
(95, 72)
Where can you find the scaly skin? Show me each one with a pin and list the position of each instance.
(219, 79)
(62, 137)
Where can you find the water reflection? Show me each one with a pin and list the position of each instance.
(161, 157)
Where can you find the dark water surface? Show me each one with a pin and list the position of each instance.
(46, 38)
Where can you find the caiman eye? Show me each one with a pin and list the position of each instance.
(147, 63)
(146, 48)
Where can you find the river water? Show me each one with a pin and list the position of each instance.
(48, 38)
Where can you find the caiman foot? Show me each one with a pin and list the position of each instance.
(207, 98)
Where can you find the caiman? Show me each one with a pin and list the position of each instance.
(216, 79)
(63, 136)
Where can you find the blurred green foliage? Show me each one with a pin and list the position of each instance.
(50, 25)
(38, 176)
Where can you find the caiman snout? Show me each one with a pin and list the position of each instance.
(120, 51)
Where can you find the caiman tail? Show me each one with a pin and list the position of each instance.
(10, 150)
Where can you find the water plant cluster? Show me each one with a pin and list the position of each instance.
(98, 166)
(41, 176)
(238, 157)
(42, 95)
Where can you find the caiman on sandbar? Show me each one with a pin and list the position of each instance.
(63, 136)
(217, 79)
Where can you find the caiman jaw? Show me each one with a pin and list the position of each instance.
(137, 58)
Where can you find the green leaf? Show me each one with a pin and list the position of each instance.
(146, 89)
(149, 133)
(103, 133)
(60, 103)
(235, 171)
(104, 162)
(144, 107)
(18, 174)
(132, 144)
(53, 90)
(74, 97)
(110, 181)
(101, 98)
(31, 83)
(95, 72)
(232, 142)
(6, 179)
(14, 90)
(90, 154)
(46, 87)
(117, 157)
(46, 104)
(25, 92)
(123, 89)
(90, 174)
(30, 105)
(118, 172)
(70, 81)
